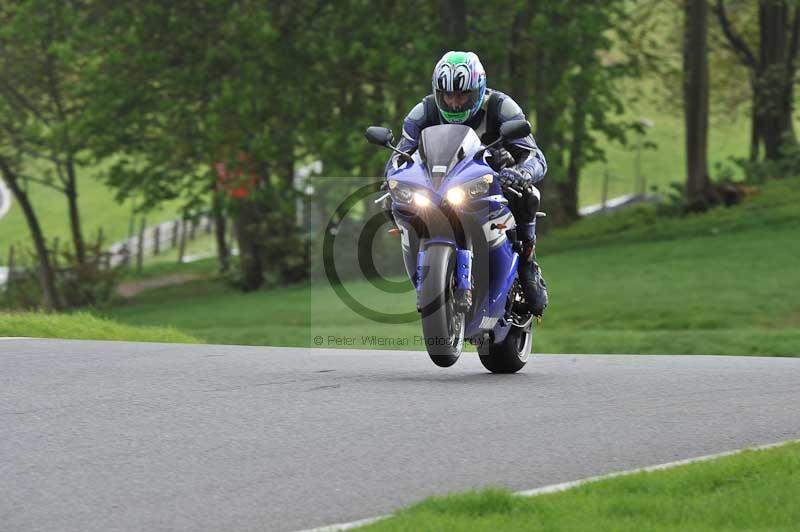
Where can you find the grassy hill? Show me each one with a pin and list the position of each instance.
(633, 282)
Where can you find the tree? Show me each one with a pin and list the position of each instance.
(696, 97)
(39, 92)
(772, 71)
(191, 84)
(9, 170)
(572, 55)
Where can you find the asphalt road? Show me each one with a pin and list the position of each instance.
(98, 436)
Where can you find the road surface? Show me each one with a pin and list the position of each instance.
(99, 436)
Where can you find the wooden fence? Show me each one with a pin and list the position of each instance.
(170, 236)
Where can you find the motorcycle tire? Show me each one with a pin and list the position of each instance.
(442, 326)
(510, 355)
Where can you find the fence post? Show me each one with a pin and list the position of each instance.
(140, 247)
(174, 238)
(604, 199)
(157, 240)
(99, 257)
(182, 244)
(126, 254)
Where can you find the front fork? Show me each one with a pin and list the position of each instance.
(463, 279)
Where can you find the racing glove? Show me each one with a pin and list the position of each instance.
(501, 158)
(516, 179)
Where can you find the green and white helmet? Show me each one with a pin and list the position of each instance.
(459, 86)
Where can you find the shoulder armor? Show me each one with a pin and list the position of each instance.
(509, 109)
(418, 112)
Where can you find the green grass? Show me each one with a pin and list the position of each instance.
(666, 162)
(97, 208)
(84, 326)
(754, 490)
(215, 312)
(159, 268)
(716, 283)
(204, 245)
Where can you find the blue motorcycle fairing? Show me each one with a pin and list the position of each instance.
(494, 262)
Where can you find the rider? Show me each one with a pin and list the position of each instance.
(460, 96)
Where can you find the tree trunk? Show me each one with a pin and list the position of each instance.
(50, 299)
(549, 67)
(247, 234)
(220, 233)
(517, 54)
(772, 18)
(74, 214)
(756, 133)
(568, 190)
(456, 24)
(773, 71)
(695, 84)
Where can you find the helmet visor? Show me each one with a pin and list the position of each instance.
(456, 101)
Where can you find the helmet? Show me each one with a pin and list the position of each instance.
(459, 85)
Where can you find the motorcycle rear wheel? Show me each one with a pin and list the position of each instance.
(510, 355)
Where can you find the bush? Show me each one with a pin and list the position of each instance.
(78, 285)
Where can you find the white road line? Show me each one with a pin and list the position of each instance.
(554, 488)
(348, 526)
(15, 337)
(5, 199)
(569, 485)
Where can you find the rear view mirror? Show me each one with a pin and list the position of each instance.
(515, 129)
(382, 136)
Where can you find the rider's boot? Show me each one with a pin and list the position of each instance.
(530, 276)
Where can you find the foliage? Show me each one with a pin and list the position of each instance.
(760, 171)
(41, 99)
(158, 92)
(581, 52)
(78, 284)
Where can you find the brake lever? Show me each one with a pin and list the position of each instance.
(513, 191)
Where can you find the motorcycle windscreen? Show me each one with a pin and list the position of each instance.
(441, 149)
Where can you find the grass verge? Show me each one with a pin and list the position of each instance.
(754, 490)
(84, 326)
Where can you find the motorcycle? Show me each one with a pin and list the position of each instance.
(459, 244)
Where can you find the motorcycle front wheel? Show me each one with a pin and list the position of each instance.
(442, 326)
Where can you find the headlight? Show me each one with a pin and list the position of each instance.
(471, 189)
(400, 192)
(480, 186)
(421, 199)
(406, 194)
(456, 196)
